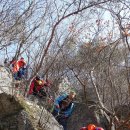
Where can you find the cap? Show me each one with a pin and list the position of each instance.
(91, 127)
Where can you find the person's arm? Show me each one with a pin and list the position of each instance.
(59, 99)
(25, 64)
(31, 88)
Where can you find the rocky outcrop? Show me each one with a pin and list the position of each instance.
(20, 114)
(12, 114)
(8, 105)
(5, 80)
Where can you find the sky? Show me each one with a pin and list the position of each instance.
(82, 36)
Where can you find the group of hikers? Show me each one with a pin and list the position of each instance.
(63, 105)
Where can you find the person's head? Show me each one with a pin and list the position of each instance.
(37, 77)
(91, 127)
(40, 82)
(21, 58)
(72, 95)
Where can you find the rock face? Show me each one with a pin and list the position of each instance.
(19, 114)
(12, 114)
(48, 122)
(76, 121)
(8, 105)
(5, 80)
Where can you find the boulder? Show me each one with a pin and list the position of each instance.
(21, 114)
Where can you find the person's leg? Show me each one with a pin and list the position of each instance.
(20, 73)
(16, 76)
(24, 71)
(54, 113)
(42, 93)
(63, 122)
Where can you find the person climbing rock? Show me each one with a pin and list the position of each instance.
(63, 108)
(22, 67)
(91, 127)
(36, 87)
(18, 68)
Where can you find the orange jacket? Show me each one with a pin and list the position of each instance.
(21, 63)
(18, 64)
(15, 67)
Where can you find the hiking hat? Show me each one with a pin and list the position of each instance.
(91, 127)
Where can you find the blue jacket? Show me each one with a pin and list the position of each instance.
(68, 110)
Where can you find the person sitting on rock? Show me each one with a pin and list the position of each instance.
(91, 127)
(18, 68)
(63, 108)
(36, 87)
(22, 67)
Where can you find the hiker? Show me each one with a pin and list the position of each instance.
(18, 68)
(63, 108)
(36, 87)
(22, 67)
(91, 127)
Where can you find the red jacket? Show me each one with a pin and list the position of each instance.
(21, 63)
(17, 65)
(36, 84)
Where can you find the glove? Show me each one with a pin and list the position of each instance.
(57, 106)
